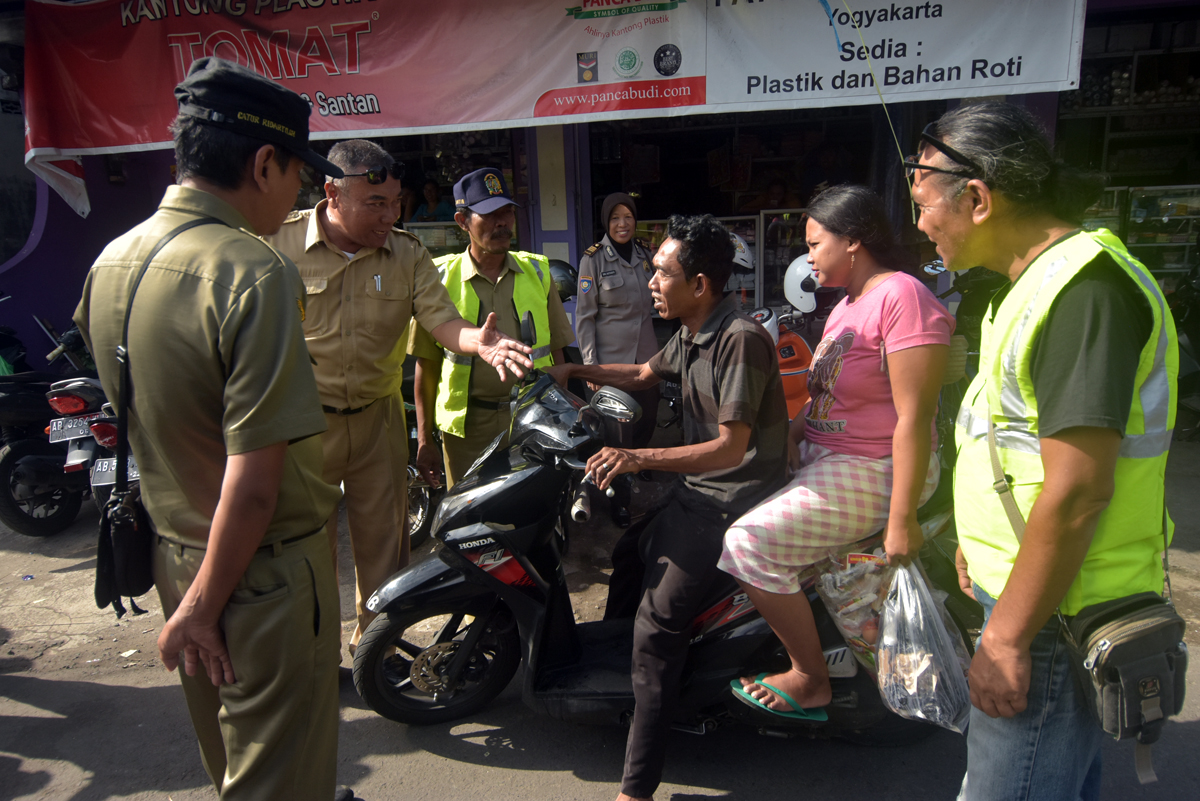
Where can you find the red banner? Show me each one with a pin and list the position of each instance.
(99, 76)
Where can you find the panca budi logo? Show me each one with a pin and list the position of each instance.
(599, 9)
(628, 62)
(586, 64)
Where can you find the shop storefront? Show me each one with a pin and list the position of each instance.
(742, 110)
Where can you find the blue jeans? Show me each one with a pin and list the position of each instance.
(1049, 752)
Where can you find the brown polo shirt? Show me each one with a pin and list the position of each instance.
(359, 306)
(729, 372)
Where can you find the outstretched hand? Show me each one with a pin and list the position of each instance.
(503, 352)
(198, 642)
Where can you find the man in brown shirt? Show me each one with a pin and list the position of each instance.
(735, 428)
(223, 419)
(365, 281)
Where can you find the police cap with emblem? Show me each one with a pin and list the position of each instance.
(482, 191)
(219, 92)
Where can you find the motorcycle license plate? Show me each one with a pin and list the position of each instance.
(64, 428)
(105, 471)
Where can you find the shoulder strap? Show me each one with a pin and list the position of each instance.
(122, 485)
(1001, 485)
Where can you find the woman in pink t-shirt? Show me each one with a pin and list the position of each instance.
(865, 443)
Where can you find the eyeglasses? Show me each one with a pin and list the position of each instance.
(912, 163)
(380, 175)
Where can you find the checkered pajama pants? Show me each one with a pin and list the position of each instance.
(834, 500)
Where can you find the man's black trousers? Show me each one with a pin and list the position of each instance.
(662, 569)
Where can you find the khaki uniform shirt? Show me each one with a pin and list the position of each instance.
(613, 308)
(218, 365)
(358, 308)
(498, 298)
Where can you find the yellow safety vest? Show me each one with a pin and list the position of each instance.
(531, 287)
(1125, 555)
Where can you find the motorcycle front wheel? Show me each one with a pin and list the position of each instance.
(34, 511)
(402, 665)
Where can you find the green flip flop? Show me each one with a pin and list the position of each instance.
(816, 714)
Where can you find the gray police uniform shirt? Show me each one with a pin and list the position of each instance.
(613, 307)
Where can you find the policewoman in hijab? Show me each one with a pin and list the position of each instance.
(613, 322)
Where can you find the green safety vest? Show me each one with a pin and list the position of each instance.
(531, 287)
(1125, 555)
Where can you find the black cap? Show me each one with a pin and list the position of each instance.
(219, 92)
(482, 191)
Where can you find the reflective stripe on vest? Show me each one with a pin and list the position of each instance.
(1124, 555)
(531, 287)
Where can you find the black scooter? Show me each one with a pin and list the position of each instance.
(453, 627)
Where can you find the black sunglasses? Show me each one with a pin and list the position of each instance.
(380, 175)
(912, 163)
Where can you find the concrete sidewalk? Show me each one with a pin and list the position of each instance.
(87, 712)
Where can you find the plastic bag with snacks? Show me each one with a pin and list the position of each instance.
(920, 672)
(853, 589)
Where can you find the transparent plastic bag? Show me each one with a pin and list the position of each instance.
(853, 589)
(921, 674)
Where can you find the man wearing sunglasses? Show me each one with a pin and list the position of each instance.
(365, 280)
(1076, 387)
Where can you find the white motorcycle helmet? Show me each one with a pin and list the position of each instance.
(743, 255)
(799, 286)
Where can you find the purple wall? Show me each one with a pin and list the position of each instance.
(46, 277)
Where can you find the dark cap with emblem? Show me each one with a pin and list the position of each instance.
(482, 191)
(221, 93)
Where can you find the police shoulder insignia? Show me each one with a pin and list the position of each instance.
(592, 250)
(300, 306)
(585, 284)
(294, 215)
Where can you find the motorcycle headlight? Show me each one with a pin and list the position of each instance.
(454, 504)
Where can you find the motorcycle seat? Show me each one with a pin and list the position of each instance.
(32, 377)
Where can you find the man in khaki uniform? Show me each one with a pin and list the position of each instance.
(365, 281)
(222, 423)
(471, 404)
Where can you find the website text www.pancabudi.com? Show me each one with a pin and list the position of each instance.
(643, 91)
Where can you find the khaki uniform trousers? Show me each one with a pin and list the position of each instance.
(368, 454)
(481, 427)
(273, 734)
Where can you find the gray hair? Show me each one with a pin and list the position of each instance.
(353, 155)
(1014, 157)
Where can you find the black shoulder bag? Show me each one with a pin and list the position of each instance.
(125, 553)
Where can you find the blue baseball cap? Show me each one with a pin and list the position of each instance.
(482, 191)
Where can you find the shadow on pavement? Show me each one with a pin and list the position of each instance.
(126, 740)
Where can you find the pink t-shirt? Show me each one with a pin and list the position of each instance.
(851, 410)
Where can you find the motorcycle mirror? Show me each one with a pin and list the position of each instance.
(935, 267)
(617, 405)
(527, 335)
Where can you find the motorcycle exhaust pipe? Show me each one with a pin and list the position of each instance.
(581, 505)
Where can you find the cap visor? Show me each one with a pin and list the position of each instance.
(325, 166)
(491, 204)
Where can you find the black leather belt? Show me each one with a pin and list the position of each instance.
(344, 412)
(491, 406)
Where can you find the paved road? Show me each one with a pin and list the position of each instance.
(80, 721)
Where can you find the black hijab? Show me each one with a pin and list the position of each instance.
(625, 251)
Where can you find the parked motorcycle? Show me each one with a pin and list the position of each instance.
(453, 627)
(41, 488)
